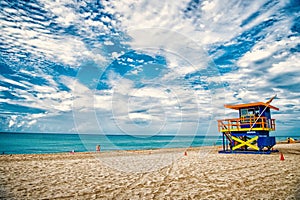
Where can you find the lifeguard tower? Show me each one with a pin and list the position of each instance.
(250, 132)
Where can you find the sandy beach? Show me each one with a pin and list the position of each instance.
(160, 174)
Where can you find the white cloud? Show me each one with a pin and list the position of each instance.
(34, 35)
(116, 54)
(12, 82)
(289, 65)
(140, 116)
(108, 43)
(3, 88)
(148, 92)
(32, 122)
(268, 48)
(12, 121)
(103, 102)
(253, 56)
(208, 5)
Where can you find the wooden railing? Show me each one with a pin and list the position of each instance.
(244, 123)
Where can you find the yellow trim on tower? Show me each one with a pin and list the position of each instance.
(247, 129)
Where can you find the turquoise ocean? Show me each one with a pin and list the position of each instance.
(39, 143)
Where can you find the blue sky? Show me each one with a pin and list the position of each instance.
(146, 67)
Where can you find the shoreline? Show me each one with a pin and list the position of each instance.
(136, 150)
(108, 151)
(281, 147)
(116, 152)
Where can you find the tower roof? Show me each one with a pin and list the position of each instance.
(247, 105)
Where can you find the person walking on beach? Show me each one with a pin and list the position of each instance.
(98, 148)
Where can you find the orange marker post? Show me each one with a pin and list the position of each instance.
(281, 156)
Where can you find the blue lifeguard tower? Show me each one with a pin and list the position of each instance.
(250, 132)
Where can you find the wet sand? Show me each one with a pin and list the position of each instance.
(159, 174)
